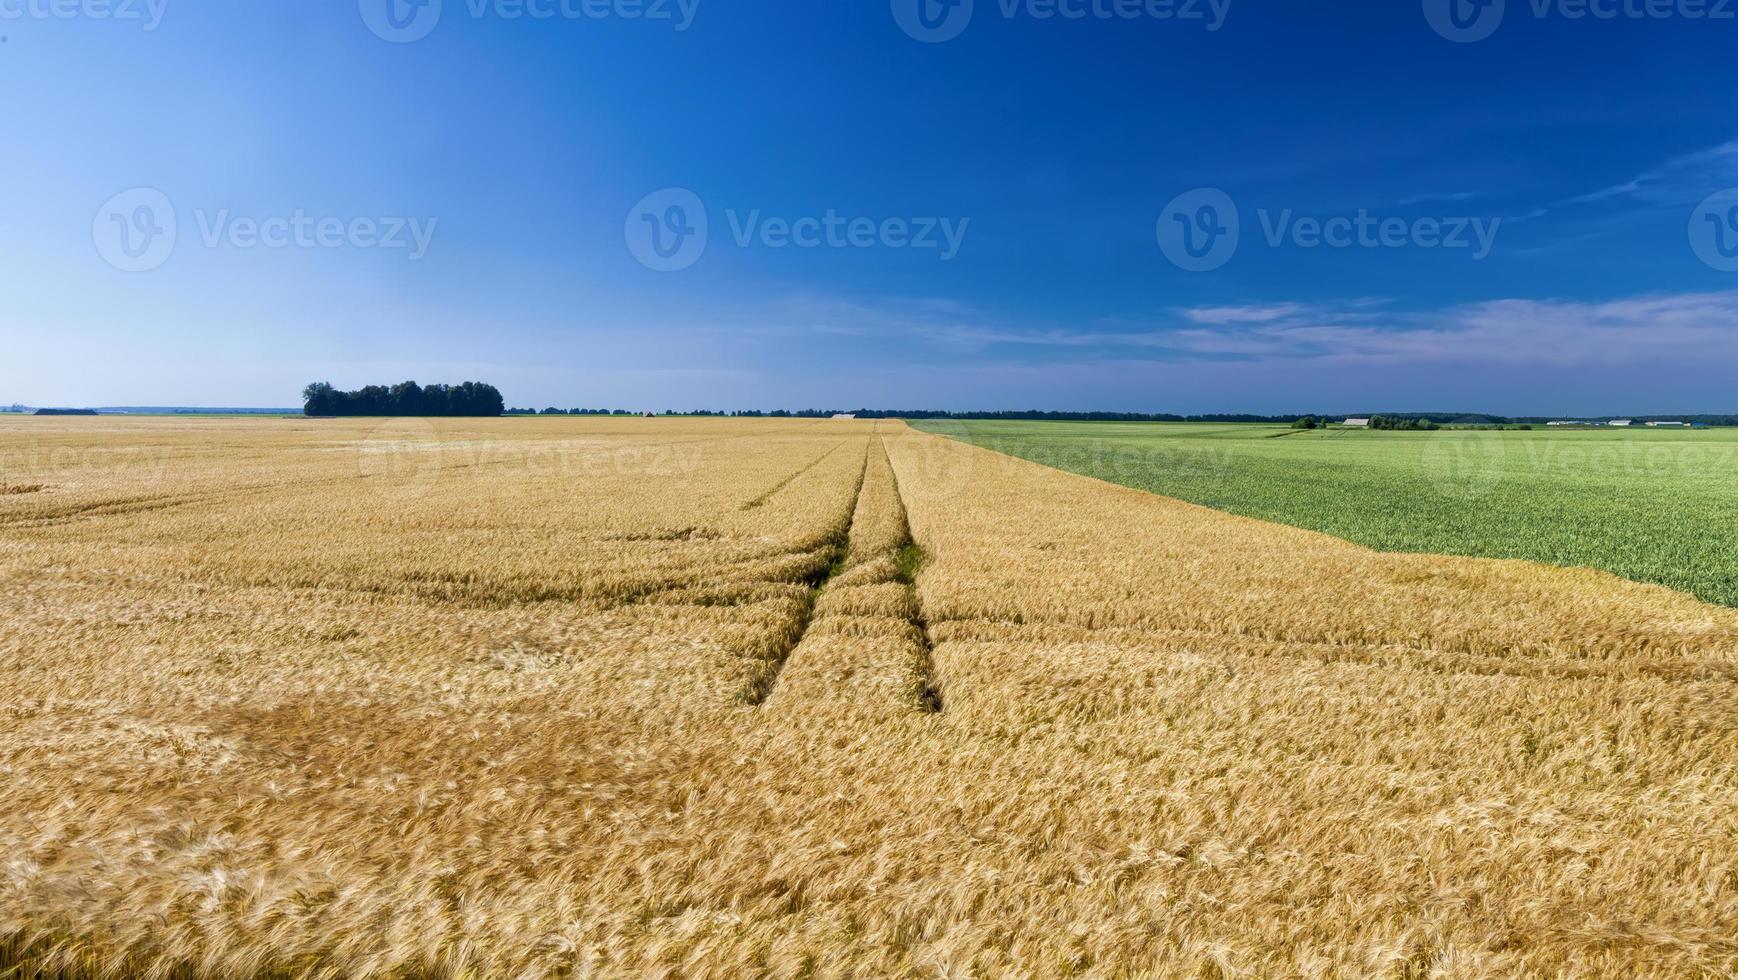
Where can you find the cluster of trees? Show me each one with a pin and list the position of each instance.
(1401, 423)
(471, 399)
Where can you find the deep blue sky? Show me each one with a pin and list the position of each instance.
(1058, 142)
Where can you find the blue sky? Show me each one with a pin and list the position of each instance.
(468, 197)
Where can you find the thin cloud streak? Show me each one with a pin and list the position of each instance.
(1680, 181)
(1659, 329)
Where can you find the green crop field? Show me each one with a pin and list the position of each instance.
(1653, 505)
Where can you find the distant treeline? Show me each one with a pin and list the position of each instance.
(571, 411)
(66, 411)
(472, 399)
(866, 413)
(1038, 416)
(189, 410)
(1390, 419)
(1480, 418)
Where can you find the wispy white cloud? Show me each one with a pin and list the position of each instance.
(1446, 196)
(1624, 189)
(1226, 315)
(1679, 181)
(1653, 330)
(1647, 330)
(1680, 328)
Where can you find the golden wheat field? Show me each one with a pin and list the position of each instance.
(612, 697)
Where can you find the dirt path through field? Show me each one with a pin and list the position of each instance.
(866, 649)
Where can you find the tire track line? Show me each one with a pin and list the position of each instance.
(764, 678)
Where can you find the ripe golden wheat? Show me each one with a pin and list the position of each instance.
(530, 697)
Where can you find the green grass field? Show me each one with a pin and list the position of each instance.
(1648, 504)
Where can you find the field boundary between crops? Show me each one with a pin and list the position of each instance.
(1643, 506)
